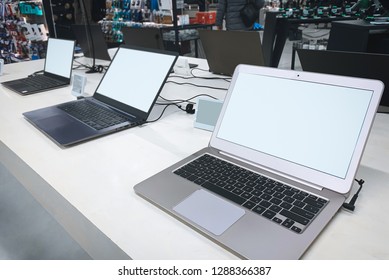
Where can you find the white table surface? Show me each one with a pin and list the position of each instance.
(97, 177)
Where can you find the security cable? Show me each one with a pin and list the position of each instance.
(191, 84)
(177, 102)
(351, 205)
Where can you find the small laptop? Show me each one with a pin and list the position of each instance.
(143, 37)
(120, 101)
(280, 162)
(91, 41)
(224, 50)
(57, 70)
(354, 64)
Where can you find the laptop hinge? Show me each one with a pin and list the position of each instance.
(273, 171)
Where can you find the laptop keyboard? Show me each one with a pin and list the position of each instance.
(285, 205)
(92, 114)
(42, 82)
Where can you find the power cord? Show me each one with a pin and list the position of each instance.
(351, 205)
(91, 69)
(202, 86)
(189, 108)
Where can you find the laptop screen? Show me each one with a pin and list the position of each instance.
(316, 125)
(59, 57)
(296, 124)
(135, 77)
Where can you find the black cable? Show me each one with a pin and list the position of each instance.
(351, 205)
(187, 100)
(160, 116)
(191, 84)
(177, 102)
(199, 77)
(100, 68)
(196, 68)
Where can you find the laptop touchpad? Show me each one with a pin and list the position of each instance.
(209, 211)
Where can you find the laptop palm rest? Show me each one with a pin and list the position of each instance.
(209, 211)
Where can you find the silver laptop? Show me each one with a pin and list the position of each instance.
(281, 161)
(224, 50)
(120, 101)
(57, 71)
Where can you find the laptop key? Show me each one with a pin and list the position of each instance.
(311, 209)
(265, 203)
(299, 203)
(296, 229)
(258, 209)
(255, 199)
(286, 205)
(294, 217)
(248, 204)
(275, 208)
(313, 202)
(275, 200)
(237, 191)
(199, 181)
(302, 213)
(288, 199)
(322, 200)
(288, 223)
(269, 214)
(224, 193)
(246, 195)
(298, 196)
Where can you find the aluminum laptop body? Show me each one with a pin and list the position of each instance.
(58, 68)
(354, 64)
(121, 91)
(84, 39)
(143, 37)
(224, 50)
(302, 130)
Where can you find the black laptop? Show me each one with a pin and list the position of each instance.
(143, 37)
(354, 64)
(57, 70)
(123, 99)
(224, 50)
(91, 40)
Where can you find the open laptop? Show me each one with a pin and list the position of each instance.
(84, 39)
(354, 64)
(143, 37)
(147, 37)
(224, 50)
(121, 99)
(57, 70)
(287, 145)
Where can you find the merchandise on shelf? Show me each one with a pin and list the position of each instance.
(23, 34)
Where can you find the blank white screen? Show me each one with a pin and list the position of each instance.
(310, 124)
(59, 57)
(134, 77)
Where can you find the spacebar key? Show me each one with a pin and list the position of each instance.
(224, 193)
